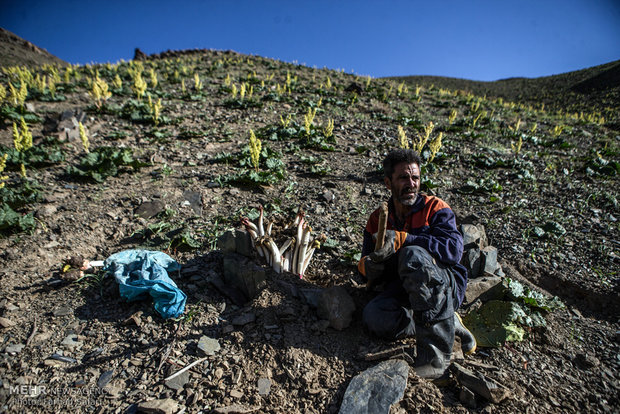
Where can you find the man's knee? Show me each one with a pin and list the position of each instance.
(427, 283)
(384, 317)
(413, 257)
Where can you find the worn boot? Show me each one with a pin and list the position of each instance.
(434, 342)
(468, 341)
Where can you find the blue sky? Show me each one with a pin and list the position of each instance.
(472, 39)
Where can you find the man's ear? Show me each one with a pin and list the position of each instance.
(388, 183)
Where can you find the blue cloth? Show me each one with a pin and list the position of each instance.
(141, 273)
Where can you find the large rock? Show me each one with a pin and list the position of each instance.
(489, 260)
(477, 287)
(376, 389)
(474, 235)
(336, 306)
(479, 384)
(243, 274)
(472, 261)
(236, 241)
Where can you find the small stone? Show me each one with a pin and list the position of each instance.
(14, 349)
(179, 381)
(63, 311)
(71, 342)
(264, 386)
(195, 201)
(105, 378)
(244, 319)
(134, 319)
(586, 361)
(208, 346)
(328, 196)
(47, 210)
(150, 209)
(6, 323)
(163, 406)
(236, 394)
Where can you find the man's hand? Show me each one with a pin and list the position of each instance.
(394, 240)
(371, 269)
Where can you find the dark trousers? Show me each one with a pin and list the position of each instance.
(422, 291)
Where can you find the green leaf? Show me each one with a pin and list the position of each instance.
(13, 222)
(495, 323)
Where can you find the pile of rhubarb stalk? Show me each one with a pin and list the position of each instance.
(297, 241)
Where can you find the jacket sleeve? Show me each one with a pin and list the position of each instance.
(443, 240)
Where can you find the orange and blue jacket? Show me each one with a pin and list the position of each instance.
(430, 224)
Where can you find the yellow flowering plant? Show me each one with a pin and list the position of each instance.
(255, 148)
(84, 138)
(403, 141)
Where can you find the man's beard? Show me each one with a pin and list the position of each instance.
(408, 199)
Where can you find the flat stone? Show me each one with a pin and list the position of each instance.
(264, 386)
(208, 346)
(479, 384)
(179, 381)
(243, 243)
(46, 210)
(163, 406)
(236, 394)
(336, 306)
(150, 209)
(244, 319)
(195, 201)
(105, 378)
(226, 242)
(63, 311)
(477, 287)
(14, 349)
(376, 389)
(6, 323)
(72, 342)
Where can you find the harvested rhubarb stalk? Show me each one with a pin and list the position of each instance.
(297, 242)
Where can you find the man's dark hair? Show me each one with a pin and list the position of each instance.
(397, 156)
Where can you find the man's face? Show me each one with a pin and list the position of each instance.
(404, 183)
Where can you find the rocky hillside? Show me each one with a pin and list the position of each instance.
(15, 51)
(155, 155)
(596, 88)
